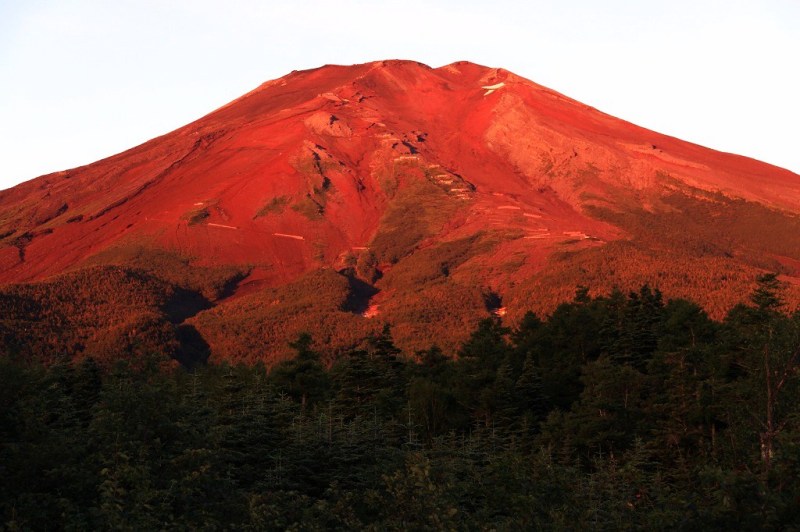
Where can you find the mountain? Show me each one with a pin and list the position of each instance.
(339, 198)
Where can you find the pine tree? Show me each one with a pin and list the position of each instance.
(383, 354)
(766, 297)
(430, 395)
(505, 402)
(770, 359)
(687, 373)
(609, 414)
(199, 485)
(356, 381)
(639, 329)
(530, 392)
(479, 359)
(302, 378)
(86, 388)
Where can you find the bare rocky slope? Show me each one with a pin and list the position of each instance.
(336, 199)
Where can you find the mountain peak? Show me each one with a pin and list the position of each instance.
(462, 176)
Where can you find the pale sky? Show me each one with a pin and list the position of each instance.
(84, 79)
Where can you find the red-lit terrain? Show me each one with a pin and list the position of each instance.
(440, 194)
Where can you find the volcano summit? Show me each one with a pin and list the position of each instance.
(336, 199)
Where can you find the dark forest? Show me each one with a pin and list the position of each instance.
(622, 411)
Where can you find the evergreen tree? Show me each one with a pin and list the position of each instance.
(766, 296)
(479, 360)
(688, 376)
(608, 416)
(302, 378)
(435, 409)
(390, 370)
(638, 334)
(86, 388)
(572, 336)
(506, 404)
(530, 393)
(768, 356)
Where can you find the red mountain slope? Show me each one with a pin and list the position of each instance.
(458, 184)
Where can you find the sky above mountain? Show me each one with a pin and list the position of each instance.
(81, 80)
